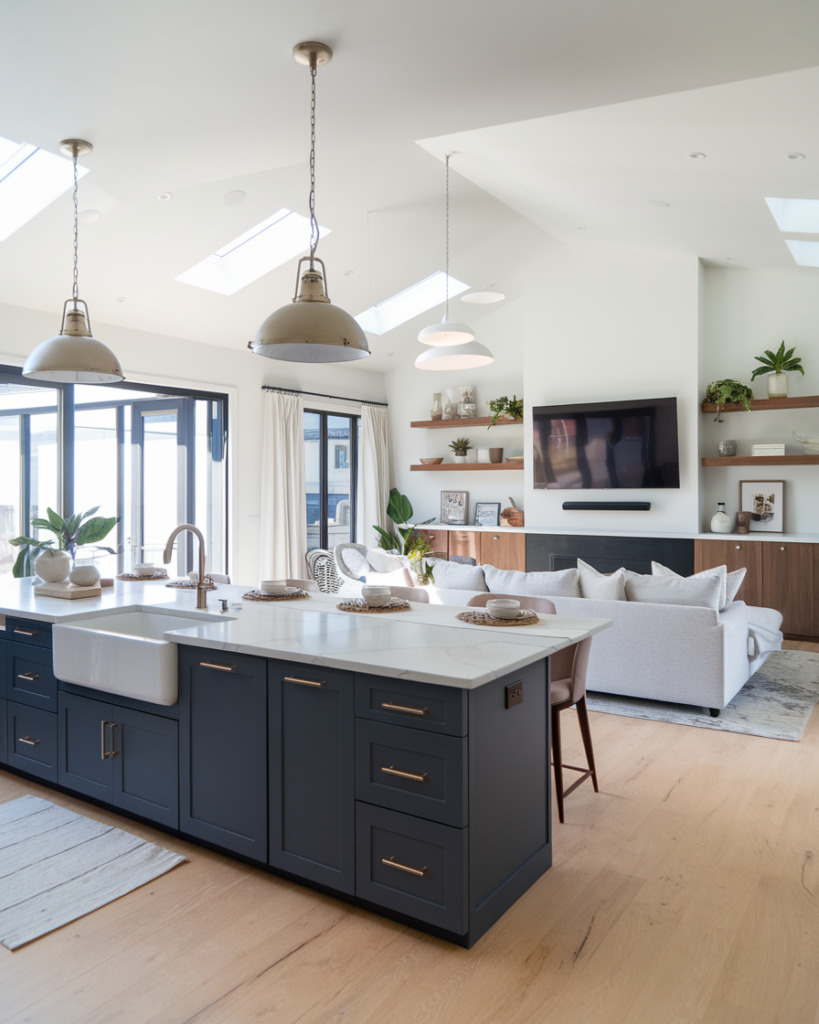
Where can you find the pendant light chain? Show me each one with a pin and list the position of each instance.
(76, 292)
(314, 228)
(446, 307)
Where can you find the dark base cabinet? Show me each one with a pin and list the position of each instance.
(4, 743)
(32, 740)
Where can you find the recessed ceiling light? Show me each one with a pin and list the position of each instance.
(252, 255)
(731, 259)
(120, 299)
(581, 229)
(697, 156)
(233, 198)
(657, 202)
(795, 214)
(805, 253)
(412, 301)
(485, 297)
(89, 216)
(30, 179)
(796, 156)
(348, 272)
(165, 197)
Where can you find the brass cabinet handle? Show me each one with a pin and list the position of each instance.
(219, 668)
(29, 677)
(28, 740)
(400, 707)
(304, 682)
(26, 632)
(392, 770)
(112, 726)
(393, 863)
(103, 752)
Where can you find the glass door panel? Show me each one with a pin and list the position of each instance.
(339, 513)
(312, 474)
(11, 478)
(96, 480)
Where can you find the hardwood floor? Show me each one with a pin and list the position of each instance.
(686, 891)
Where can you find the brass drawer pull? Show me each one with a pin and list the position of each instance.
(27, 740)
(392, 770)
(393, 863)
(400, 707)
(304, 682)
(103, 752)
(26, 632)
(112, 726)
(219, 668)
(30, 677)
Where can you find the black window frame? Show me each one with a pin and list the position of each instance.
(355, 423)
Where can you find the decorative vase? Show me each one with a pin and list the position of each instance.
(777, 385)
(467, 408)
(437, 412)
(743, 522)
(84, 576)
(451, 407)
(53, 566)
(483, 455)
(472, 455)
(720, 522)
(727, 448)
(496, 454)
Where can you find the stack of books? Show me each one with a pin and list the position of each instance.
(768, 449)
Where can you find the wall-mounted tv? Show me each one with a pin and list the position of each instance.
(606, 445)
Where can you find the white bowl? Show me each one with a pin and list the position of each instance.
(273, 587)
(503, 608)
(144, 568)
(376, 597)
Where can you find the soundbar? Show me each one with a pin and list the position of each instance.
(607, 506)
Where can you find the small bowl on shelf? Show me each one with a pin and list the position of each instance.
(432, 462)
(503, 608)
(376, 597)
(144, 568)
(514, 458)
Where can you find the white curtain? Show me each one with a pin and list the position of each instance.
(375, 471)
(284, 499)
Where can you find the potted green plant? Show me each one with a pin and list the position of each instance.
(777, 364)
(509, 408)
(460, 446)
(729, 392)
(409, 543)
(70, 533)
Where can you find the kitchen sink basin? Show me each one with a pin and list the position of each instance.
(124, 652)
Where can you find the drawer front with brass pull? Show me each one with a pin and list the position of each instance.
(423, 706)
(4, 746)
(30, 677)
(25, 631)
(412, 771)
(32, 740)
(413, 866)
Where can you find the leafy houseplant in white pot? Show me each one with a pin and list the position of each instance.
(54, 564)
(777, 365)
(460, 447)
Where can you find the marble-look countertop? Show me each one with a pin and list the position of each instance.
(427, 643)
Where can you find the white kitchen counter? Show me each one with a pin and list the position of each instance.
(426, 644)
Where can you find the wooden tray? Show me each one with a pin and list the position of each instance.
(67, 591)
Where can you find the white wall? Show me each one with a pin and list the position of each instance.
(154, 358)
(747, 312)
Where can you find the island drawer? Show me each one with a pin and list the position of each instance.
(4, 747)
(412, 771)
(32, 740)
(30, 677)
(24, 631)
(414, 705)
(413, 866)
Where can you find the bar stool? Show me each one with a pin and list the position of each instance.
(567, 672)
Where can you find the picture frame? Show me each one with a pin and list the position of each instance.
(765, 500)
(454, 506)
(487, 513)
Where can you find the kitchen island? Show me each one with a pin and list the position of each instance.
(399, 761)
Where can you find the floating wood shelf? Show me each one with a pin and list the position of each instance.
(475, 421)
(468, 467)
(767, 404)
(762, 460)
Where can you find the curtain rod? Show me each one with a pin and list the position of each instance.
(316, 394)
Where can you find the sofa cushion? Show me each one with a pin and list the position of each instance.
(597, 586)
(563, 583)
(731, 581)
(355, 562)
(705, 592)
(384, 561)
(454, 576)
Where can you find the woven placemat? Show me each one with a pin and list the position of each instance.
(190, 585)
(361, 606)
(160, 574)
(525, 618)
(291, 594)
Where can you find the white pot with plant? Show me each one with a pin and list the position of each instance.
(460, 446)
(54, 564)
(506, 409)
(777, 365)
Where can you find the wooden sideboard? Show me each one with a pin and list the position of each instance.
(502, 549)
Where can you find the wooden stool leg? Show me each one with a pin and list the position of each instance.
(585, 732)
(557, 755)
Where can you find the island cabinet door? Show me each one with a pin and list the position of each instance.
(312, 773)
(145, 765)
(787, 572)
(223, 749)
(4, 747)
(84, 746)
(735, 554)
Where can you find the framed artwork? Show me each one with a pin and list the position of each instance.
(487, 513)
(453, 507)
(765, 500)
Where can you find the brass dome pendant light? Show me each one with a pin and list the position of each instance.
(74, 356)
(311, 329)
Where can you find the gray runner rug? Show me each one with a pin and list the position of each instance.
(56, 866)
(776, 702)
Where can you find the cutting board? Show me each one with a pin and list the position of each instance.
(68, 591)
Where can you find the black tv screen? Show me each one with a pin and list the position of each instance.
(606, 445)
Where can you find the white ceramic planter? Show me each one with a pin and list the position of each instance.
(459, 458)
(53, 566)
(777, 385)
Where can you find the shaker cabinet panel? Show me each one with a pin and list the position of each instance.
(32, 740)
(4, 746)
(787, 571)
(504, 550)
(735, 554)
(145, 765)
(465, 542)
(438, 540)
(85, 746)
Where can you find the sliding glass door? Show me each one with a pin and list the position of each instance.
(331, 464)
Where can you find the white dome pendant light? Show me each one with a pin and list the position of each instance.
(311, 329)
(74, 356)
(447, 332)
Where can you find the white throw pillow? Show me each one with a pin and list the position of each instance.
(355, 561)
(705, 592)
(384, 561)
(731, 581)
(456, 576)
(563, 583)
(597, 586)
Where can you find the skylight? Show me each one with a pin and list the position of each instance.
(800, 215)
(252, 255)
(30, 179)
(418, 298)
(806, 254)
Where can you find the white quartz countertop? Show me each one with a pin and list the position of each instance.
(427, 643)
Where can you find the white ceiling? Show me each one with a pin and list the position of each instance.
(201, 98)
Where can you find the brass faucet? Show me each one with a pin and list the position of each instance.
(202, 583)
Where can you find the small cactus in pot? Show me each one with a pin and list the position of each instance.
(460, 446)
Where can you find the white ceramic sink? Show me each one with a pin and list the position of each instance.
(124, 653)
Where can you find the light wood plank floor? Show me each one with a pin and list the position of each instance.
(686, 891)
